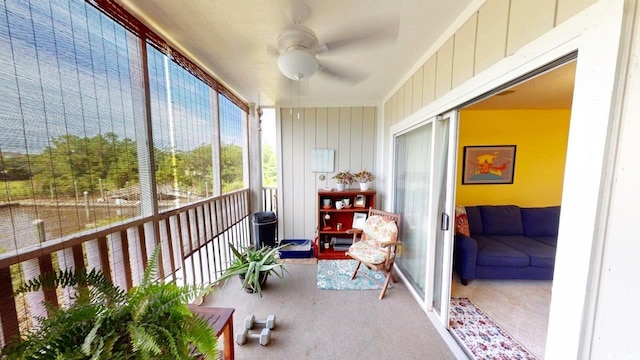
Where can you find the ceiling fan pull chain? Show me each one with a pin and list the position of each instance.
(298, 83)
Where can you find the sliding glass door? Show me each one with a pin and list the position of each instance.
(423, 192)
(412, 191)
(444, 213)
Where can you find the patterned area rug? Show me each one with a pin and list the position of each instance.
(482, 337)
(336, 275)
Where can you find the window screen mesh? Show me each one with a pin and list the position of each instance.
(182, 132)
(71, 113)
(67, 150)
(232, 144)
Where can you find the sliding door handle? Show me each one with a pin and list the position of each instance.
(444, 222)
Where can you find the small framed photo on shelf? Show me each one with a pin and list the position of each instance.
(359, 220)
(360, 201)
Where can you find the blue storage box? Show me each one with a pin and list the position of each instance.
(297, 248)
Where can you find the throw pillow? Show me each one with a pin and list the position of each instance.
(462, 221)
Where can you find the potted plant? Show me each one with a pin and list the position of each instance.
(344, 178)
(364, 177)
(254, 266)
(151, 321)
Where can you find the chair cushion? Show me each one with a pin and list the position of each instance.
(378, 230)
(367, 253)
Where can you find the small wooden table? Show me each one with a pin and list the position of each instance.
(221, 320)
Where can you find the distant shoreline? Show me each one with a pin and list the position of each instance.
(9, 205)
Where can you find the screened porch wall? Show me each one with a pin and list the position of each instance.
(111, 144)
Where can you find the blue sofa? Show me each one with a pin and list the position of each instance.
(507, 242)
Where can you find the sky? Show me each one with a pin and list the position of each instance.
(269, 127)
(67, 68)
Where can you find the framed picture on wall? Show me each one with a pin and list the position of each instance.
(488, 164)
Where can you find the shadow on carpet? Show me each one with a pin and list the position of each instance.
(336, 275)
(482, 337)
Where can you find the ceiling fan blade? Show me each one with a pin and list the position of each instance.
(273, 51)
(376, 32)
(350, 77)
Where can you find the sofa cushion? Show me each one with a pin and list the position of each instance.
(549, 240)
(541, 221)
(541, 255)
(501, 220)
(494, 253)
(474, 218)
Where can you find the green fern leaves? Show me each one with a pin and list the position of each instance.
(151, 321)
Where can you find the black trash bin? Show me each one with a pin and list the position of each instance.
(264, 228)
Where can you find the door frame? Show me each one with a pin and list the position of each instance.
(599, 34)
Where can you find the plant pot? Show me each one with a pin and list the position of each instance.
(262, 279)
(364, 186)
(341, 187)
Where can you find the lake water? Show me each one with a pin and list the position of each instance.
(17, 228)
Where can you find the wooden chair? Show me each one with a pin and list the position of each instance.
(375, 245)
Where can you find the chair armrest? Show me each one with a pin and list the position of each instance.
(355, 233)
(390, 244)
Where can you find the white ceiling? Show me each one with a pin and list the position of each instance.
(230, 38)
(550, 90)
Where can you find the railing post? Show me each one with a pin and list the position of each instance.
(31, 269)
(86, 205)
(8, 311)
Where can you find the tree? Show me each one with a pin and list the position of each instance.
(231, 167)
(71, 161)
(14, 167)
(269, 166)
(198, 166)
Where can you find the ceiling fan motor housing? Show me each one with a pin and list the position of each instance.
(297, 35)
(297, 44)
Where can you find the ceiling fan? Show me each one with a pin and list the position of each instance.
(298, 45)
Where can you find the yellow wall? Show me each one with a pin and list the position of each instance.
(541, 139)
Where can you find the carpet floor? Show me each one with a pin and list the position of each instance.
(336, 275)
(482, 337)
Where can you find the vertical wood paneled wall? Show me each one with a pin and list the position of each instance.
(497, 30)
(350, 131)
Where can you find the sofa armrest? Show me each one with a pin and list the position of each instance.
(465, 256)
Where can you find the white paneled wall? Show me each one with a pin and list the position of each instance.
(350, 131)
(491, 37)
(464, 47)
(498, 29)
(444, 68)
(528, 19)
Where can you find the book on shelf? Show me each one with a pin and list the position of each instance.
(341, 244)
(341, 241)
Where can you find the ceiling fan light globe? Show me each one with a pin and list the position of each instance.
(297, 64)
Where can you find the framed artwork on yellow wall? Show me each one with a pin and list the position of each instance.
(488, 164)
